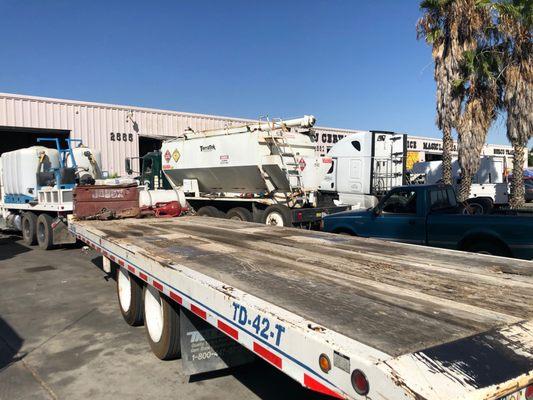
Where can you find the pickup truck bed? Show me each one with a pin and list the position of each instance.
(422, 320)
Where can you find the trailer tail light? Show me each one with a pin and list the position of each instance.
(325, 364)
(360, 383)
(523, 394)
(299, 216)
(529, 392)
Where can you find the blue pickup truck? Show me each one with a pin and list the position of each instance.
(430, 215)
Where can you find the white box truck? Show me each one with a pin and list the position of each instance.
(489, 188)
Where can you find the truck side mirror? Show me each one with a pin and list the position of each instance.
(129, 171)
(377, 211)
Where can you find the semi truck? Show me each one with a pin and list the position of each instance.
(348, 317)
(270, 172)
(36, 189)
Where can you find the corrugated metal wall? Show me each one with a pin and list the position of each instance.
(112, 129)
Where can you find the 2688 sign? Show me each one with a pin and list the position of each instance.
(120, 137)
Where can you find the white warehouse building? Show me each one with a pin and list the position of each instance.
(127, 131)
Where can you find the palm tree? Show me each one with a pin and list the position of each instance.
(439, 27)
(482, 99)
(480, 70)
(515, 24)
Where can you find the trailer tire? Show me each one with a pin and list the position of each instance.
(45, 235)
(130, 297)
(277, 215)
(210, 211)
(29, 228)
(240, 214)
(162, 324)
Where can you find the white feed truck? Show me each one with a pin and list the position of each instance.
(36, 189)
(270, 172)
(489, 188)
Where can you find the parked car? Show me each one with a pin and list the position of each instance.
(430, 215)
(528, 184)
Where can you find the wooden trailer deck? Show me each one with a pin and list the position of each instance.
(393, 297)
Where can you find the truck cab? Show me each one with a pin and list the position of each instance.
(151, 173)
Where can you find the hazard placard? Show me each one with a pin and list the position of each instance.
(302, 164)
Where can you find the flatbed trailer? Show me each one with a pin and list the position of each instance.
(345, 316)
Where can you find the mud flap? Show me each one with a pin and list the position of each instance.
(60, 233)
(204, 348)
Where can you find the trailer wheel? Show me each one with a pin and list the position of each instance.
(277, 215)
(210, 211)
(239, 214)
(130, 297)
(29, 226)
(45, 235)
(162, 323)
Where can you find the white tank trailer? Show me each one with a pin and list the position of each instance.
(269, 171)
(264, 172)
(36, 186)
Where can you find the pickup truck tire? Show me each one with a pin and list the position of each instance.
(491, 247)
(29, 228)
(130, 297)
(162, 324)
(45, 235)
(210, 211)
(239, 214)
(277, 215)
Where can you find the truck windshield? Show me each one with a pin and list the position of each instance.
(402, 201)
(442, 198)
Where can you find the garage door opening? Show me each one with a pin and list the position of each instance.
(13, 138)
(148, 144)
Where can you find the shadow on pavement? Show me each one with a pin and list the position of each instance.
(10, 344)
(10, 247)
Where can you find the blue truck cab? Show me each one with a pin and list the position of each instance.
(430, 215)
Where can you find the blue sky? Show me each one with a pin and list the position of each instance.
(353, 64)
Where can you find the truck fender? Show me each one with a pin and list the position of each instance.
(481, 235)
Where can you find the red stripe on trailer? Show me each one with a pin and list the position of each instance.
(175, 297)
(143, 276)
(228, 330)
(198, 311)
(105, 253)
(121, 262)
(267, 355)
(112, 257)
(316, 386)
(131, 269)
(158, 286)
